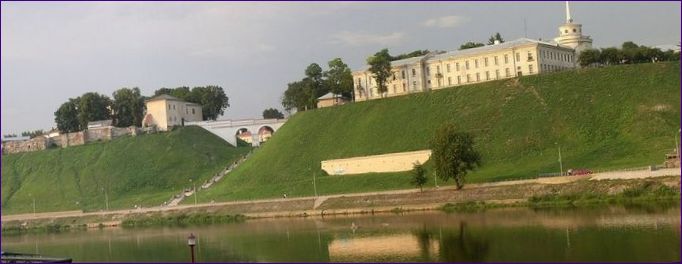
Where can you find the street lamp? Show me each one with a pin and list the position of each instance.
(561, 165)
(34, 204)
(191, 242)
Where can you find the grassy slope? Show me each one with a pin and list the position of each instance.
(615, 117)
(144, 170)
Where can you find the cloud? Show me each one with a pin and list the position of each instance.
(445, 22)
(363, 38)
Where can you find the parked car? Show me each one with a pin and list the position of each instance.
(576, 172)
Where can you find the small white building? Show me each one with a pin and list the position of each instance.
(165, 111)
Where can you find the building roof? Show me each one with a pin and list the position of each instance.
(326, 96)
(491, 48)
(168, 98)
(99, 123)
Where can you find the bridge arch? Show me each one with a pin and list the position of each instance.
(228, 129)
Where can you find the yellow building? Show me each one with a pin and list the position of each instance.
(510, 59)
(165, 111)
(330, 99)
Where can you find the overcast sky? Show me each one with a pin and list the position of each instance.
(54, 51)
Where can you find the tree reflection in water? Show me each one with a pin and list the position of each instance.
(459, 246)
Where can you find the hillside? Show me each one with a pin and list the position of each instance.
(144, 170)
(606, 118)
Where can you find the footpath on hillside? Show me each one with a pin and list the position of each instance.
(495, 192)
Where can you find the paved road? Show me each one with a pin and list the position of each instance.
(319, 200)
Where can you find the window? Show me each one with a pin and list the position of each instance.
(371, 92)
(457, 66)
(394, 89)
(468, 78)
(404, 87)
(169, 107)
(447, 67)
(566, 31)
(359, 81)
(403, 74)
(574, 30)
(428, 82)
(507, 72)
(459, 79)
(506, 58)
(530, 56)
(428, 70)
(449, 81)
(487, 76)
(466, 65)
(186, 111)
(530, 69)
(437, 68)
(193, 111)
(394, 76)
(518, 57)
(485, 62)
(414, 72)
(414, 86)
(495, 59)
(497, 74)
(476, 63)
(478, 77)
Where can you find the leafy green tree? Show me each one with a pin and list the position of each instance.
(495, 37)
(413, 54)
(128, 107)
(212, 99)
(32, 134)
(163, 91)
(419, 176)
(470, 45)
(66, 117)
(453, 154)
(589, 57)
(298, 96)
(272, 113)
(380, 67)
(93, 107)
(611, 56)
(339, 78)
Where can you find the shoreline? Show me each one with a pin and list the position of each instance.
(555, 193)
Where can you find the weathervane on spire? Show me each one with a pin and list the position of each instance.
(568, 14)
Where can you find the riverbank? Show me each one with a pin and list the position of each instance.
(558, 192)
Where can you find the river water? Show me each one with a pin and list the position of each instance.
(623, 234)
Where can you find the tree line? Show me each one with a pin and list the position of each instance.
(303, 94)
(128, 106)
(628, 53)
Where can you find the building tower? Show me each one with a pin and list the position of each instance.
(571, 35)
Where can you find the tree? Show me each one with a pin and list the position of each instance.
(493, 38)
(589, 57)
(413, 54)
(298, 95)
(419, 176)
(93, 107)
(470, 45)
(380, 67)
(272, 113)
(339, 78)
(66, 117)
(453, 154)
(128, 107)
(611, 56)
(212, 99)
(163, 91)
(32, 134)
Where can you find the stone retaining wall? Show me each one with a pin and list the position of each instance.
(393, 162)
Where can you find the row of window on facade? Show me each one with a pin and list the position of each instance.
(469, 78)
(186, 109)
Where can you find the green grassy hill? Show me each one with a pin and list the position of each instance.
(614, 117)
(144, 170)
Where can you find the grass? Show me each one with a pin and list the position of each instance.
(613, 117)
(145, 170)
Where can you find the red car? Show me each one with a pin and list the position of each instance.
(576, 172)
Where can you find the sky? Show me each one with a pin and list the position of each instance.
(52, 51)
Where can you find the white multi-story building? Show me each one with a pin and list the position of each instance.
(510, 59)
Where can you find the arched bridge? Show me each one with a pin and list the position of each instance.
(254, 131)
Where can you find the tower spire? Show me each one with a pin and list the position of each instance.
(569, 19)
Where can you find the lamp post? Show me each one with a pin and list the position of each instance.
(191, 242)
(34, 204)
(561, 165)
(314, 185)
(106, 199)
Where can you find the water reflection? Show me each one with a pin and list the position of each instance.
(587, 234)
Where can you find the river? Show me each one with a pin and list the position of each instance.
(623, 234)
